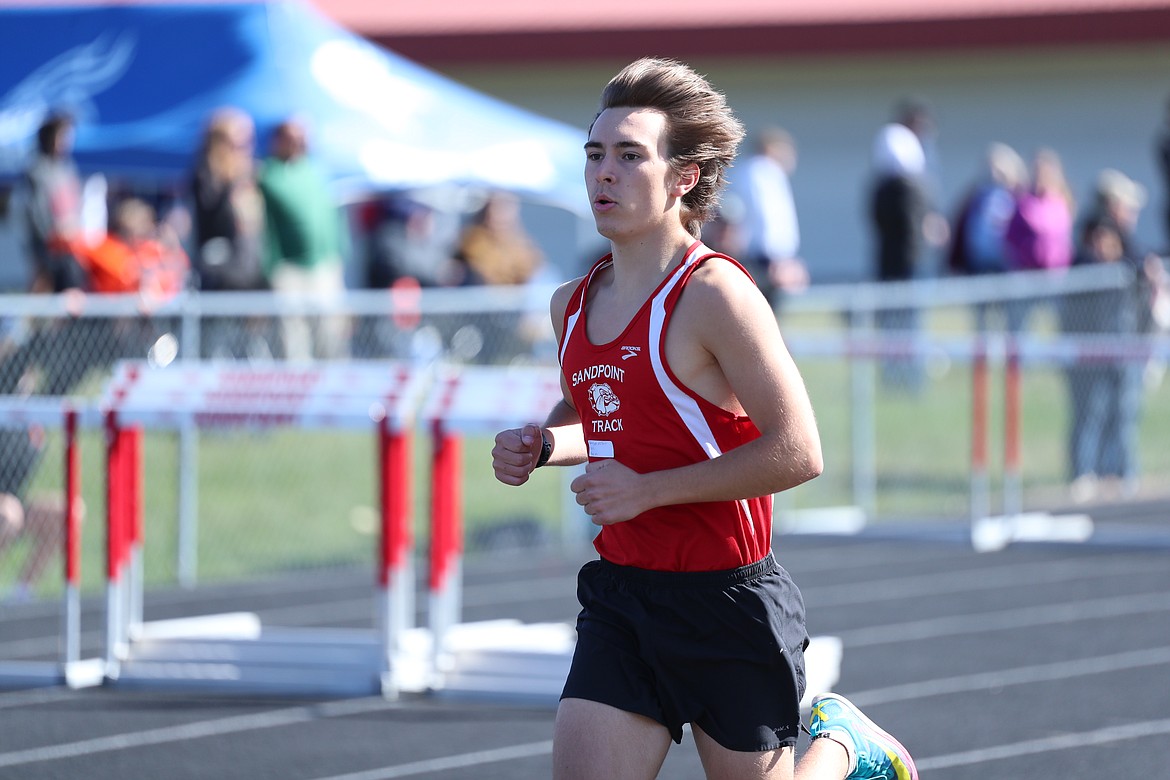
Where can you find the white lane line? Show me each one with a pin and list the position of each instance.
(1025, 675)
(294, 715)
(1019, 676)
(197, 730)
(1022, 675)
(556, 587)
(462, 761)
(1062, 742)
(564, 586)
(1004, 620)
(989, 578)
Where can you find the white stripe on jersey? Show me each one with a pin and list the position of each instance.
(685, 405)
(571, 322)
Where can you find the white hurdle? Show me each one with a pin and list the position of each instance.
(500, 660)
(70, 669)
(233, 652)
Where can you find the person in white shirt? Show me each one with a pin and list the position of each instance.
(769, 229)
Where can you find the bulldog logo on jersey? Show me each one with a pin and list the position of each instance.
(603, 399)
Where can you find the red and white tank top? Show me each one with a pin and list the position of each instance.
(634, 409)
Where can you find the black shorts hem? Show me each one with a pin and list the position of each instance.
(768, 748)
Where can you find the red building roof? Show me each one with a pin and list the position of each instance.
(451, 31)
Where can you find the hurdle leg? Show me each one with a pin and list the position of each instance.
(71, 630)
(986, 534)
(135, 583)
(116, 644)
(75, 673)
(395, 571)
(446, 564)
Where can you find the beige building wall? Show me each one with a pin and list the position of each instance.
(1097, 107)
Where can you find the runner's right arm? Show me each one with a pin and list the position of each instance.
(517, 450)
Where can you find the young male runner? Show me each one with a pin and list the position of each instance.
(680, 393)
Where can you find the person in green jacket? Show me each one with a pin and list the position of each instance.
(305, 238)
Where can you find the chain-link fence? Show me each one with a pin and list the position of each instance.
(226, 502)
(953, 398)
(32, 508)
(922, 414)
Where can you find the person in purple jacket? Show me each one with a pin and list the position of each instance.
(1039, 235)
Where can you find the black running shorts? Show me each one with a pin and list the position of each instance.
(723, 650)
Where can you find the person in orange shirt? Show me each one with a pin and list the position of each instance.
(135, 257)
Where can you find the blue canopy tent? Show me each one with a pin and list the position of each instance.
(142, 80)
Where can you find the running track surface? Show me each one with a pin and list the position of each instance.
(1037, 661)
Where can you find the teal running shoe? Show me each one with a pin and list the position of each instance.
(876, 755)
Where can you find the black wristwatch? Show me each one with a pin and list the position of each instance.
(545, 450)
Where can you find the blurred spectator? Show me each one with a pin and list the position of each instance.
(898, 213)
(1105, 397)
(915, 114)
(16, 273)
(58, 219)
(305, 236)
(410, 246)
(137, 256)
(228, 222)
(54, 209)
(412, 239)
(769, 228)
(228, 207)
(724, 232)
(1039, 236)
(898, 203)
(141, 257)
(495, 249)
(979, 242)
(978, 245)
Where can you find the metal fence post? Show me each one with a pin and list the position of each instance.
(187, 565)
(1013, 483)
(980, 500)
(187, 552)
(862, 393)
